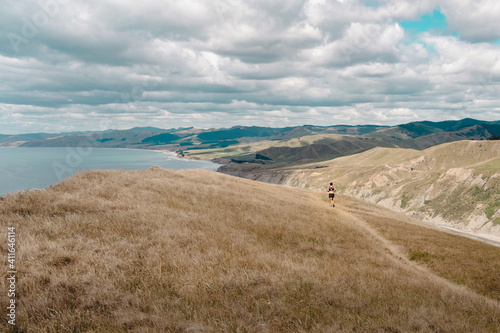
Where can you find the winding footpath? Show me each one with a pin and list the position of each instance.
(395, 255)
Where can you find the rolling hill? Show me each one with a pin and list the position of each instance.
(199, 251)
(265, 145)
(314, 143)
(455, 184)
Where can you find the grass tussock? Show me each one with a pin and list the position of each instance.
(196, 251)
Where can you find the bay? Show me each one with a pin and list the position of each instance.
(23, 168)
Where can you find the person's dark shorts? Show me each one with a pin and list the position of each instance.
(331, 195)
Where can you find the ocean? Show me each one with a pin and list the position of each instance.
(28, 168)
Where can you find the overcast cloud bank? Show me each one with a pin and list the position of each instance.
(87, 65)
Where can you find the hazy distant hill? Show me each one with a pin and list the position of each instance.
(198, 251)
(26, 137)
(159, 130)
(112, 139)
(160, 139)
(240, 132)
(147, 129)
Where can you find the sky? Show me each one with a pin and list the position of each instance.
(116, 64)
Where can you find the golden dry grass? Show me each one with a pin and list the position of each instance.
(197, 251)
(460, 260)
(456, 183)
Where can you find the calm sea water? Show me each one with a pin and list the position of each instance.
(27, 168)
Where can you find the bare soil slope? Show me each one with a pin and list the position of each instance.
(199, 251)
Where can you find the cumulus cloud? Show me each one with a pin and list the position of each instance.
(473, 20)
(77, 65)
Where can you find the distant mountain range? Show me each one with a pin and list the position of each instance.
(315, 143)
(266, 145)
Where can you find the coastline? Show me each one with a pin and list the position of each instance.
(37, 168)
(188, 157)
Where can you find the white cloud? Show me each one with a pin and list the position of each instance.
(227, 62)
(474, 20)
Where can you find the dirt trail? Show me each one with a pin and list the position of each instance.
(399, 258)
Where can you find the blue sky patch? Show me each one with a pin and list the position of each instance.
(372, 3)
(435, 22)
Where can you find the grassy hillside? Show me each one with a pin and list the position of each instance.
(455, 183)
(198, 251)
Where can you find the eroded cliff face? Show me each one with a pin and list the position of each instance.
(459, 197)
(457, 185)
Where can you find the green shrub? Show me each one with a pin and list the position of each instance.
(420, 256)
(491, 209)
(404, 201)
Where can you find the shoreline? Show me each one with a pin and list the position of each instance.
(187, 157)
(169, 160)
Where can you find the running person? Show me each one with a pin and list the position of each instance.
(331, 194)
